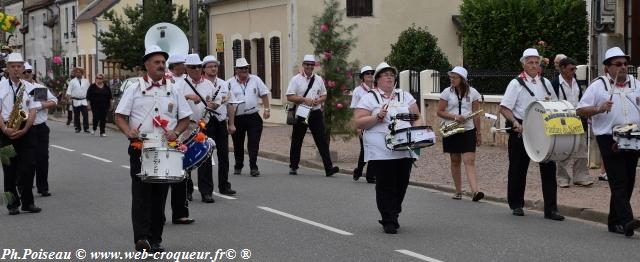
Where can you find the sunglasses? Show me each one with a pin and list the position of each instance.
(99, 78)
(243, 68)
(620, 64)
(367, 73)
(28, 72)
(308, 64)
(193, 66)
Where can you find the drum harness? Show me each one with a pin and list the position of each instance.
(625, 107)
(142, 82)
(207, 109)
(523, 84)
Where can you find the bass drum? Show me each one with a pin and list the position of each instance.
(539, 146)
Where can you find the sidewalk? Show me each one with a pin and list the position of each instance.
(589, 203)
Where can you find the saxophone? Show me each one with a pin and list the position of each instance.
(454, 127)
(17, 116)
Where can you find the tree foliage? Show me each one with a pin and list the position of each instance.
(496, 32)
(417, 50)
(125, 38)
(333, 42)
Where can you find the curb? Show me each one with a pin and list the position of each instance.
(538, 205)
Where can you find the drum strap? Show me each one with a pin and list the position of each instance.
(459, 101)
(200, 96)
(313, 79)
(544, 84)
(606, 85)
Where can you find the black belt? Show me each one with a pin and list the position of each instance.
(75, 98)
(41, 124)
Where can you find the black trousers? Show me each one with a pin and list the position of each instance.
(361, 163)
(69, 115)
(250, 126)
(147, 203)
(218, 131)
(41, 138)
(19, 174)
(99, 117)
(517, 176)
(392, 180)
(77, 110)
(179, 203)
(621, 170)
(316, 124)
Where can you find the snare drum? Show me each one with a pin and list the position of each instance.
(197, 153)
(189, 135)
(411, 138)
(541, 147)
(161, 165)
(627, 137)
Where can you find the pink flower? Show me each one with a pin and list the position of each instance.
(338, 69)
(324, 28)
(349, 75)
(343, 87)
(331, 84)
(57, 60)
(541, 43)
(339, 106)
(327, 55)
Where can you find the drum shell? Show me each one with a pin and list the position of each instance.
(540, 147)
(161, 165)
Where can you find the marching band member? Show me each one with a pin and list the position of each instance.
(155, 95)
(525, 89)
(456, 102)
(77, 91)
(177, 67)
(566, 88)
(41, 133)
(217, 127)
(248, 88)
(611, 100)
(366, 84)
(19, 173)
(308, 89)
(390, 168)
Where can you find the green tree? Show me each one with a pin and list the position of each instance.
(496, 32)
(333, 42)
(417, 50)
(125, 38)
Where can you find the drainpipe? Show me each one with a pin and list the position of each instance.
(95, 60)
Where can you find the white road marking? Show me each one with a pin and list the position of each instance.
(98, 158)
(63, 148)
(418, 256)
(127, 167)
(332, 229)
(216, 194)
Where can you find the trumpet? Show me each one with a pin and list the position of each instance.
(455, 127)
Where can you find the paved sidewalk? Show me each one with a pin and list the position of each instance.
(589, 203)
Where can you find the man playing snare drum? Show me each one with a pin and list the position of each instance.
(612, 101)
(525, 89)
(153, 98)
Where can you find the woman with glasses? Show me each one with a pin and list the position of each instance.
(99, 97)
(456, 102)
(390, 168)
(366, 84)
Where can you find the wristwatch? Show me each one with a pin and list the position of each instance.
(267, 109)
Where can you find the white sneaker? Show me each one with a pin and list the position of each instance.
(93, 132)
(103, 135)
(603, 177)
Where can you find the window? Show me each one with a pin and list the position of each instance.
(44, 21)
(247, 53)
(74, 63)
(356, 8)
(631, 37)
(237, 50)
(33, 24)
(260, 66)
(73, 22)
(274, 45)
(66, 23)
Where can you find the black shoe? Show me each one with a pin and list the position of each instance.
(237, 171)
(331, 171)
(156, 248)
(631, 226)
(254, 172)
(227, 191)
(477, 196)
(190, 197)
(87, 132)
(371, 180)
(13, 211)
(554, 215)
(31, 208)
(293, 171)
(45, 193)
(77, 131)
(356, 174)
(518, 212)
(208, 198)
(183, 221)
(390, 229)
(142, 245)
(618, 229)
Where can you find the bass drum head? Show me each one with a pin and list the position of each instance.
(536, 142)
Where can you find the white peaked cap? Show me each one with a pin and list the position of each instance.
(614, 52)
(241, 62)
(459, 71)
(27, 66)
(529, 52)
(14, 58)
(365, 69)
(309, 58)
(193, 59)
(210, 59)
(176, 59)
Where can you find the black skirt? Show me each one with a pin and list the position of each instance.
(460, 143)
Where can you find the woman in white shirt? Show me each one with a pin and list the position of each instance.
(366, 84)
(456, 102)
(390, 168)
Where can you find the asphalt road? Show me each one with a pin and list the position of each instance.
(278, 217)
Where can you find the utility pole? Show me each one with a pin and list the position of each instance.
(193, 25)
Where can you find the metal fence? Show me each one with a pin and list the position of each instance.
(488, 82)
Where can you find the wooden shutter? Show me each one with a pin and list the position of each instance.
(247, 52)
(260, 65)
(220, 56)
(274, 45)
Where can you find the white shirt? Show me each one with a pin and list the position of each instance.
(140, 104)
(374, 137)
(453, 102)
(299, 84)
(248, 92)
(9, 91)
(77, 89)
(517, 98)
(358, 93)
(43, 114)
(625, 108)
(225, 96)
(572, 91)
(205, 88)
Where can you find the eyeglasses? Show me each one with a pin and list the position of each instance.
(620, 64)
(193, 66)
(27, 72)
(211, 66)
(243, 68)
